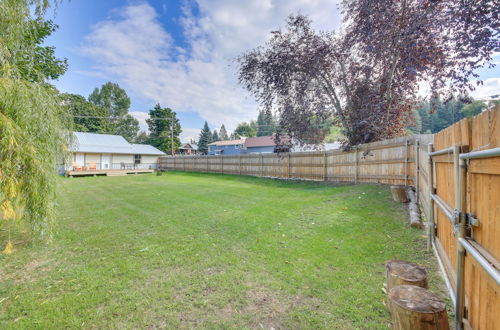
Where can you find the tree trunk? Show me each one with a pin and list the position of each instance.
(415, 308)
(413, 209)
(399, 194)
(398, 272)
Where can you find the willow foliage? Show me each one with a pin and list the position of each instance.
(31, 122)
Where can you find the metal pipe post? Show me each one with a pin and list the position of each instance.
(430, 221)
(460, 197)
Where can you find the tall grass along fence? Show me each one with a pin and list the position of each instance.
(456, 174)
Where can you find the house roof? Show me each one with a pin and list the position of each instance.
(260, 141)
(265, 141)
(192, 146)
(227, 142)
(106, 143)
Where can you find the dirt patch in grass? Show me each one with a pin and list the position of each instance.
(269, 308)
(32, 271)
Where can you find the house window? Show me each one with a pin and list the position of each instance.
(137, 159)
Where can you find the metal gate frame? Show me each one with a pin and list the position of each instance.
(461, 222)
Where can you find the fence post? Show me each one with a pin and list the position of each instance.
(430, 183)
(174, 161)
(261, 165)
(406, 162)
(325, 173)
(357, 161)
(289, 159)
(207, 162)
(417, 169)
(460, 201)
(222, 164)
(184, 164)
(239, 164)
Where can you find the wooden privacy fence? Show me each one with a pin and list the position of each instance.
(464, 226)
(456, 174)
(390, 161)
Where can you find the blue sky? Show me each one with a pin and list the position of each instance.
(180, 53)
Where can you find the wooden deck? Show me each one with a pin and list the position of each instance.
(108, 172)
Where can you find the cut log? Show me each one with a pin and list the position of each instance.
(399, 194)
(416, 308)
(399, 272)
(413, 209)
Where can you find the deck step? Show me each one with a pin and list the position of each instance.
(116, 173)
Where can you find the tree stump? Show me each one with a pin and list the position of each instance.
(416, 308)
(399, 272)
(413, 209)
(399, 194)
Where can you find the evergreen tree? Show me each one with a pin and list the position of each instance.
(215, 136)
(163, 123)
(223, 133)
(205, 139)
(265, 123)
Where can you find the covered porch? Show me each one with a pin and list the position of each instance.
(107, 172)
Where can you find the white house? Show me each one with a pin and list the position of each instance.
(91, 151)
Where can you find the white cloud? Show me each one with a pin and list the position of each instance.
(134, 49)
(141, 117)
(489, 88)
(186, 135)
(189, 134)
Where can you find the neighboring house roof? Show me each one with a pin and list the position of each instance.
(106, 143)
(260, 141)
(192, 146)
(227, 142)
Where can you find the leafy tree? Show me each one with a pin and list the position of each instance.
(416, 125)
(473, 108)
(40, 63)
(31, 122)
(205, 139)
(116, 101)
(246, 129)
(142, 138)
(113, 98)
(215, 136)
(223, 133)
(128, 127)
(87, 117)
(163, 123)
(368, 76)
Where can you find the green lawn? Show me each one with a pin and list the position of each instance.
(211, 251)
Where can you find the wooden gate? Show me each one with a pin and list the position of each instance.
(465, 218)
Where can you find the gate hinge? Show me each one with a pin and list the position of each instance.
(471, 220)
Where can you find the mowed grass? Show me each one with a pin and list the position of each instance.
(211, 251)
